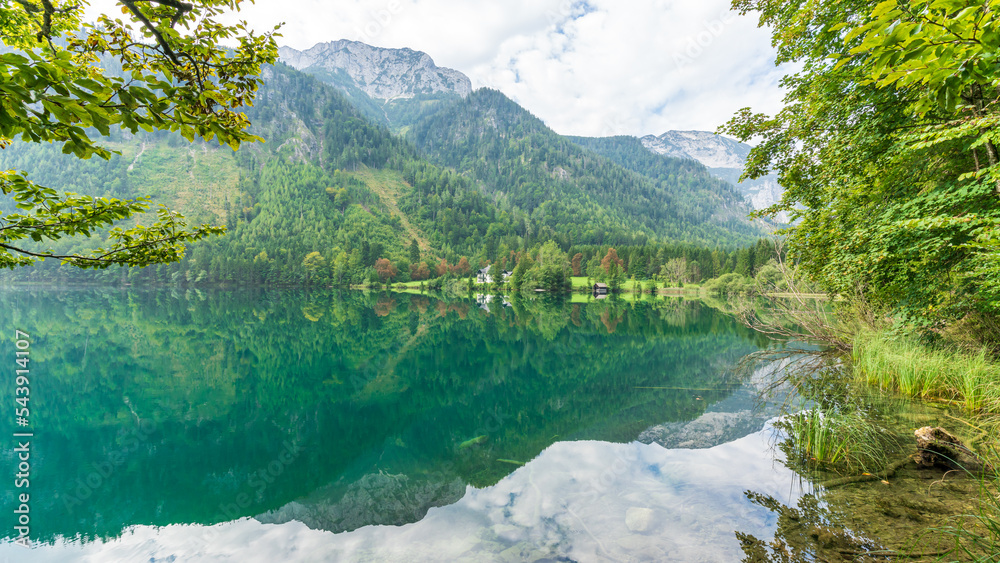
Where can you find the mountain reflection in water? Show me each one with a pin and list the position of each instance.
(267, 425)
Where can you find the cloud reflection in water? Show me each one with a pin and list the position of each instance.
(582, 501)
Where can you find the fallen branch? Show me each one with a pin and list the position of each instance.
(886, 474)
(894, 553)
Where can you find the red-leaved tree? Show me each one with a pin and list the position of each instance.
(385, 269)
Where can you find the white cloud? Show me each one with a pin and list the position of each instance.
(595, 67)
(642, 67)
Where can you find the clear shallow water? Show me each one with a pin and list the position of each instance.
(262, 426)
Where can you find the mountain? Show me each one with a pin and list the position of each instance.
(395, 87)
(573, 190)
(307, 189)
(380, 73)
(714, 151)
(333, 190)
(724, 157)
(630, 153)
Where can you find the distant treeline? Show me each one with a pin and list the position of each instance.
(367, 262)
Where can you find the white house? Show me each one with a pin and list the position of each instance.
(484, 300)
(483, 276)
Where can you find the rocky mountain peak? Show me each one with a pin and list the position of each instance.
(379, 72)
(714, 151)
(724, 157)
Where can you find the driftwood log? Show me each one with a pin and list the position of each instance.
(936, 446)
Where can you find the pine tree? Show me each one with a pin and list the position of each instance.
(414, 251)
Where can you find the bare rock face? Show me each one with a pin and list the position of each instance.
(375, 499)
(714, 151)
(724, 158)
(380, 73)
(936, 446)
(706, 431)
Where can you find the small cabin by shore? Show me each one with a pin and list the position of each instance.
(600, 288)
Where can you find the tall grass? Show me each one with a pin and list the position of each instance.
(814, 437)
(977, 535)
(904, 365)
(838, 440)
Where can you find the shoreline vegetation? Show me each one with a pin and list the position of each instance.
(887, 149)
(864, 353)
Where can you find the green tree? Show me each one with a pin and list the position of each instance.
(496, 272)
(676, 269)
(414, 251)
(314, 264)
(887, 150)
(518, 275)
(53, 91)
(339, 268)
(615, 276)
(651, 286)
(552, 271)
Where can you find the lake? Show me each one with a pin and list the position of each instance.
(270, 425)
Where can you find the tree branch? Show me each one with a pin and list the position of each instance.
(160, 40)
(101, 259)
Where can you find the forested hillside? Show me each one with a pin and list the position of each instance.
(630, 153)
(331, 191)
(577, 196)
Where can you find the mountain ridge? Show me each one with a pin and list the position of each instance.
(516, 156)
(379, 72)
(710, 149)
(725, 158)
(332, 190)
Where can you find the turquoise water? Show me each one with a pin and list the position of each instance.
(294, 426)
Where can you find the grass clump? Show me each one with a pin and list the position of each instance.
(838, 440)
(905, 365)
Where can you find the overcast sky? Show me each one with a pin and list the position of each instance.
(595, 67)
